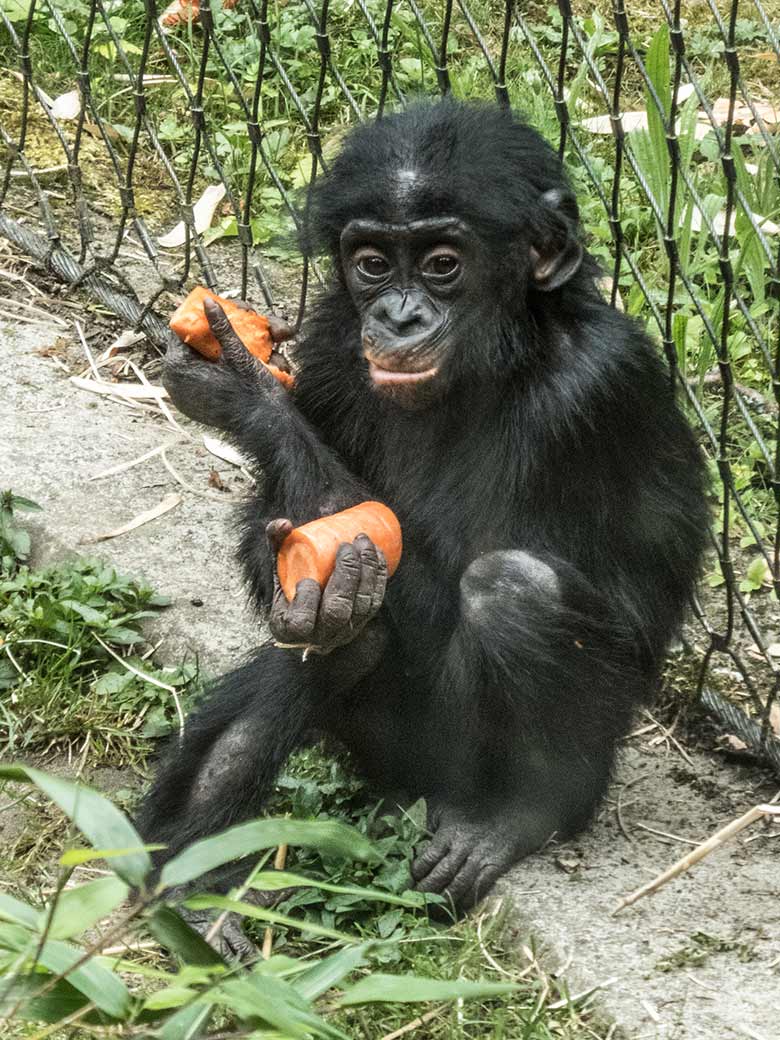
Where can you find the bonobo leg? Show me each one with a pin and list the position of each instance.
(538, 685)
(234, 745)
(236, 742)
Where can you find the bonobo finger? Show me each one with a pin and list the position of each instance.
(369, 570)
(296, 624)
(338, 598)
(280, 330)
(381, 583)
(234, 352)
(276, 532)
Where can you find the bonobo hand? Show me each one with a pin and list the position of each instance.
(216, 392)
(323, 619)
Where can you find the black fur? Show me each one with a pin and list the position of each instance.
(552, 506)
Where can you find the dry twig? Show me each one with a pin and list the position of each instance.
(715, 841)
(280, 861)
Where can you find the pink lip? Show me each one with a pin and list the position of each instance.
(387, 376)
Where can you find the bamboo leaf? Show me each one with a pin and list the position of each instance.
(332, 838)
(97, 983)
(257, 913)
(273, 880)
(411, 989)
(77, 909)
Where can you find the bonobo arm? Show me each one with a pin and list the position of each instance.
(302, 480)
(238, 394)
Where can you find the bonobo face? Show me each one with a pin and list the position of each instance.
(417, 289)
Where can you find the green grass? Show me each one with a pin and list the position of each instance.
(75, 673)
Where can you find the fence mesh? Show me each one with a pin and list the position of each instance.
(145, 148)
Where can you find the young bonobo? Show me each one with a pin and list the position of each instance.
(463, 368)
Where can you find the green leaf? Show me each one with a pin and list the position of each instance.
(122, 636)
(257, 913)
(332, 838)
(19, 540)
(276, 1002)
(656, 161)
(172, 931)
(57, 1003)
(12, 909)
(758, 572)
(75, 857)
(88, 614)
(328, 972)
(18, 502)
(387, 923)
(78, 909)
(170, 997)
(187, 1023)
(411, 989)
(273, 880)
(96, 982)
(97, 819)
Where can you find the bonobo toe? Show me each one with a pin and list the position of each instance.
(464, 859)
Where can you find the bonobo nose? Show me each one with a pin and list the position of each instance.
(405, 313)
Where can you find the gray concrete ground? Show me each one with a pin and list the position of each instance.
(698, 961)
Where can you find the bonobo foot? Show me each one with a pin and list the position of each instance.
(229, 939)
(469, 852)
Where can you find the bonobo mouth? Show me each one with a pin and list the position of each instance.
(397, 369)
(383, 376)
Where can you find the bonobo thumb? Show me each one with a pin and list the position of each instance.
(276, 532)
(234, 353)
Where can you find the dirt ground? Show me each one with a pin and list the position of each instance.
(700, 960)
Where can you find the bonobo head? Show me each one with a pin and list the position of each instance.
(449, 224)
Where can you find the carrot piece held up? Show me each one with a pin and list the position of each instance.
(191, 325)
(310, 551)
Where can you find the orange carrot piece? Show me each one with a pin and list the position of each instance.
(190, 324)
(310, 551)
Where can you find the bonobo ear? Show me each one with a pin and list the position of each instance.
(557, 259)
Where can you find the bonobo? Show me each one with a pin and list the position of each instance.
(463, 368)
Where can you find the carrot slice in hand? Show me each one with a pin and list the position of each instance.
(310, 551)
(191, 325)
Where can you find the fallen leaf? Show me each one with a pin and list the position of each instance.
(743, 115)
(734, 742)
(631, 120)
(182, 12)
(203, 212)
(224, 451)
(162, 507)
(774, 719)
(603, 124)
(131, 391)
(719, 223)
(66, 106)
(568, 863)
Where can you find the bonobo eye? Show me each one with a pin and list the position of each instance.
(371, 263)
(441, 264)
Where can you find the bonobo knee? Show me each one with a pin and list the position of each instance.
(497, 580)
